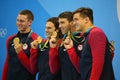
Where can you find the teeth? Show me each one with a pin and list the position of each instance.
(47, 33)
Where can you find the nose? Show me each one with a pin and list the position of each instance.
(74, 22)
(59, 25)
(46, 30)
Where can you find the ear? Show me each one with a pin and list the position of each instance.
(30, 22)
(87, 19)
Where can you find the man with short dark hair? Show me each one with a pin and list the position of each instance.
(17, 66)
(65, 21)
(69, 57)
(96, 59)
(44, 57)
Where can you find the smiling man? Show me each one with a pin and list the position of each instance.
(17, 66)
(96, 58)
(69, 56)
(44, 58)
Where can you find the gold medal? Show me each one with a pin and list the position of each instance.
(54, 34)
(25, 46)
(16, 41)
(39, 39)
(68, 34)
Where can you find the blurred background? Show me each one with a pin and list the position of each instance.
(106, 16)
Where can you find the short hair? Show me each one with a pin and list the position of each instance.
(54, 20)
(28, 13)
(67, 14)
(85, 12)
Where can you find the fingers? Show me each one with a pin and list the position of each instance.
(67, 40)
(53, 40)
(111, 48)
(34, 44)
(18, 47)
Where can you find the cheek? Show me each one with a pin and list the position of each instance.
(65, 27)
(23, 24)
(81, 22)
(27, 24)
(49, 30)
(77, 22)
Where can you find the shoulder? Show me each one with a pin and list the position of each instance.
(97, 32)
(97, 35)
(10, 37)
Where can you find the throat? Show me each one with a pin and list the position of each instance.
(87, 28)
(25, 31)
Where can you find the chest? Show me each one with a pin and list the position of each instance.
(11, 49)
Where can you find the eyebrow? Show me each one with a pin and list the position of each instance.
(61, 22)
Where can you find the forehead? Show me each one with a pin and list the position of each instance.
(22, 16)
(62, 20)
(76, 15)
(49, 24)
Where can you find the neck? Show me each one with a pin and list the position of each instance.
(87, 27)
(26, 31)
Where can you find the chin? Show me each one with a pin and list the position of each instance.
(63, 33)
(20, 29)
(77, 30)
(48, 36)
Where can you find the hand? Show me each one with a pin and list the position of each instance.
(68, 43)
(34, 44)
(53, 42)
(18, 47)
(112, 48)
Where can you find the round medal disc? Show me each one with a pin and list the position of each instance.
(25, 46)
(16, 41)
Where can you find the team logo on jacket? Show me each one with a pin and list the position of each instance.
(25, 46)
(80, 47)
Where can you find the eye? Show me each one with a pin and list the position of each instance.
(75, 19)
(22, 21)
(48, 27)
(62, 22)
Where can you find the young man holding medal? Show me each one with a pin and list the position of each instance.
(96, 59)
(17, 66)
(69, 58)
(44, 58)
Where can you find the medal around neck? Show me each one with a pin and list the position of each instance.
(54, 34)
(68, 34)
(16, 41)
(39, 39)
